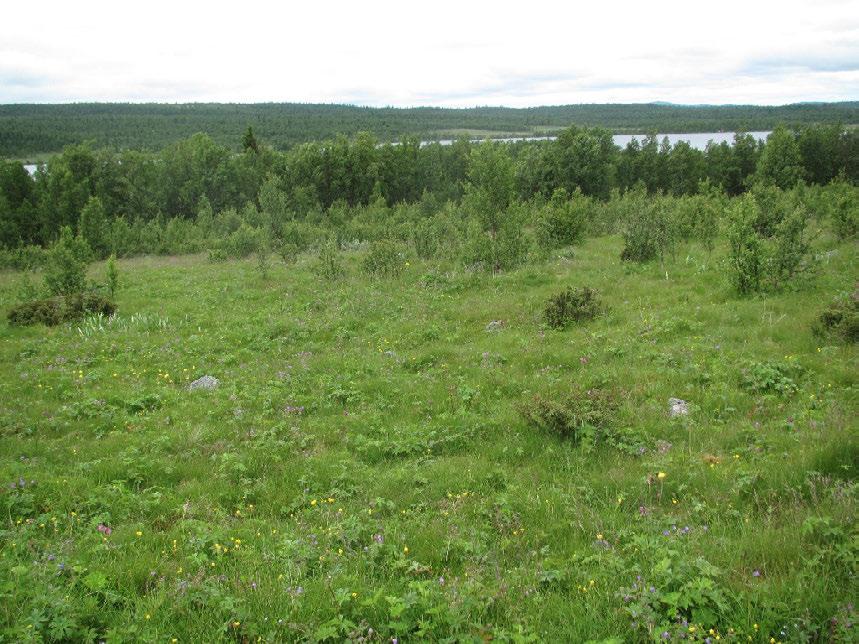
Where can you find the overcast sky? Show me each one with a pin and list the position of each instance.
(430, 53)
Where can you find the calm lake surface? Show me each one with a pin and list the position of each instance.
(697, 140)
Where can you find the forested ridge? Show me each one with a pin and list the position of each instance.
(32, 129)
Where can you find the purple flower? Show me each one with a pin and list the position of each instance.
(378, 538)
(666, 533)
(756, 573)
(666, 635)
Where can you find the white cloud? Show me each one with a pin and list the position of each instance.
(441, 53)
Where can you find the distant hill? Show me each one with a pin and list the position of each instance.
(27, 130)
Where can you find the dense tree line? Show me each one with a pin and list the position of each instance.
(86, 188)
(34, 129)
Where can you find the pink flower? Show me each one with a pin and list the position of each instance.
(104, 529)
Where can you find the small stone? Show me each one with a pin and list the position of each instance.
(495, 325)
(206, 382)
(677, 407)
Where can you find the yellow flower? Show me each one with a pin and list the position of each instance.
(139, 533)
(354, 595)
(661, 475)
(313, 502)
(406, 550)
(599, 536)
(148, 616)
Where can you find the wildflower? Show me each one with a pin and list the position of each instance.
(139, 533)
(599, 536)
(105, 530)
(406, 550)
(661, 475)
(756, 573)
(354, 595)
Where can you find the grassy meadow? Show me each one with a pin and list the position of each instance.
(365, 469)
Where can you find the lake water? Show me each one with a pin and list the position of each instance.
(697, 140)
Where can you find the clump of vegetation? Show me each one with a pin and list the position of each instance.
(561, 222)
(384, 259)
(66, 264)
(572, 306)
(764, 258)
(840, 319)
(676, 598)
(112, 275)
(649, 230)
(776, 378)
(329, 265)
(263, 255)
(578, 416)
(56, 310)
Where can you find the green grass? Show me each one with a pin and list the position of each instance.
(410, 478)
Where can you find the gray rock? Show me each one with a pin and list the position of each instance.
(677, 407)
(495, 325)
(206, 382)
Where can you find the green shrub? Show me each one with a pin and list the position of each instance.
(770, 378)
(501, 250)
(577, 416)
(112, 275)
(25, 258)
(774, 206)
(56, 310)
(384, 259)
(65, 265)
(287, 250)
(674, 592)
(842, 201)
(329, 264)
(561, 222)
(760, 263)
(436, 237)
(92, 227)
(649, 231)
(572, 305)
(263, 255)
(840, 319)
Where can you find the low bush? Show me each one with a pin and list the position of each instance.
(66, 264)
(758, 262)
(25, 258)
(579, 416)
(649, 230)
(384, 259)
(56, 310)
(840, 319)
(561, 222)
(572, 305)
(775, 378)
(329, 265)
